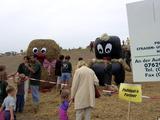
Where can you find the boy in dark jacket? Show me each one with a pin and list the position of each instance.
(66, 71)
(58, 69)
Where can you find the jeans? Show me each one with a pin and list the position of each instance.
(35, 94)
(7, 115)
(20, 103)
(66, 77)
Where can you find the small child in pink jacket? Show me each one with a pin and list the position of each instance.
(64, 105)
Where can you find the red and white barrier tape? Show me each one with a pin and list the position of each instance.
(44, 81)
(145, 97)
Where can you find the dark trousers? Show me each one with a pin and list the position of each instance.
(8, 116)
(128, 62)
(91, 49)
(20, 103)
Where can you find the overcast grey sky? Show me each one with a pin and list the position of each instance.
(72, 23)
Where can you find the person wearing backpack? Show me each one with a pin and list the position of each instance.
(3, 83)
(66, 71)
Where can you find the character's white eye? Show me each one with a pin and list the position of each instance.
(108, 48)
(100, 48)
(43, 50)
(35, 50)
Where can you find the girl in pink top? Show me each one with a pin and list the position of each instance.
(64, 105)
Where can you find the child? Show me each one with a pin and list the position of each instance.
(9, 104)
(20, 93)
(3, 83)
(64, 105)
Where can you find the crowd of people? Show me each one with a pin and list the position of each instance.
(82, 92)
(28, 75)
(13, 98)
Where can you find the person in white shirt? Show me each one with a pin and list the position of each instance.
(9, 104)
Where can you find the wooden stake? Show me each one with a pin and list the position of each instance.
(129, 110)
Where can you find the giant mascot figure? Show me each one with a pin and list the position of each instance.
(107, 64)
(46, 51)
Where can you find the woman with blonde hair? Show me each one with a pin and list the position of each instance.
(81, 63)
(83, 90)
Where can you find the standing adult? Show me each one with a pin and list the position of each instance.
(58, 69)
(35, 70)
(66, 70)
(83, 91)
(23, 87)
(91, 46)
(128, 57)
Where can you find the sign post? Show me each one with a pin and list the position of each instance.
(130, 93)
(129, 110)
(144, 27)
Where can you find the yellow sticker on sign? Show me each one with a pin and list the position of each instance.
(130, 92)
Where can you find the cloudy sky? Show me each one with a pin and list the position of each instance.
(72, 23)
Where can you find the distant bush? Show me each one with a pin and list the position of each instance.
(13, 53)
(80, 48)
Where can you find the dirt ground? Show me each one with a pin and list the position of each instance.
(107, 107)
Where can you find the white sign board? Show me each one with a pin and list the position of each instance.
(144, 30)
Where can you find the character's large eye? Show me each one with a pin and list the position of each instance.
(108, 48)
(35, 50)
(100, 48)
(43, 50)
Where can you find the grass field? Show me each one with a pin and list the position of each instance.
(107, 107)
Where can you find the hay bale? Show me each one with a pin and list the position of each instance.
(52, 52)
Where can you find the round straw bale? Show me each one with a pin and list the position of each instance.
(52, 53)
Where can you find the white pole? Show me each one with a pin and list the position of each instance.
(129, 110)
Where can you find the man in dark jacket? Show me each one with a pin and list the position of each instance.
(58, 69)
(35, 71)
(66, 70)
(23, 69)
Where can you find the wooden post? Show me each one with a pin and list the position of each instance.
(129, 110)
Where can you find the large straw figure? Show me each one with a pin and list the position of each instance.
(46, 51)
(107, 48)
